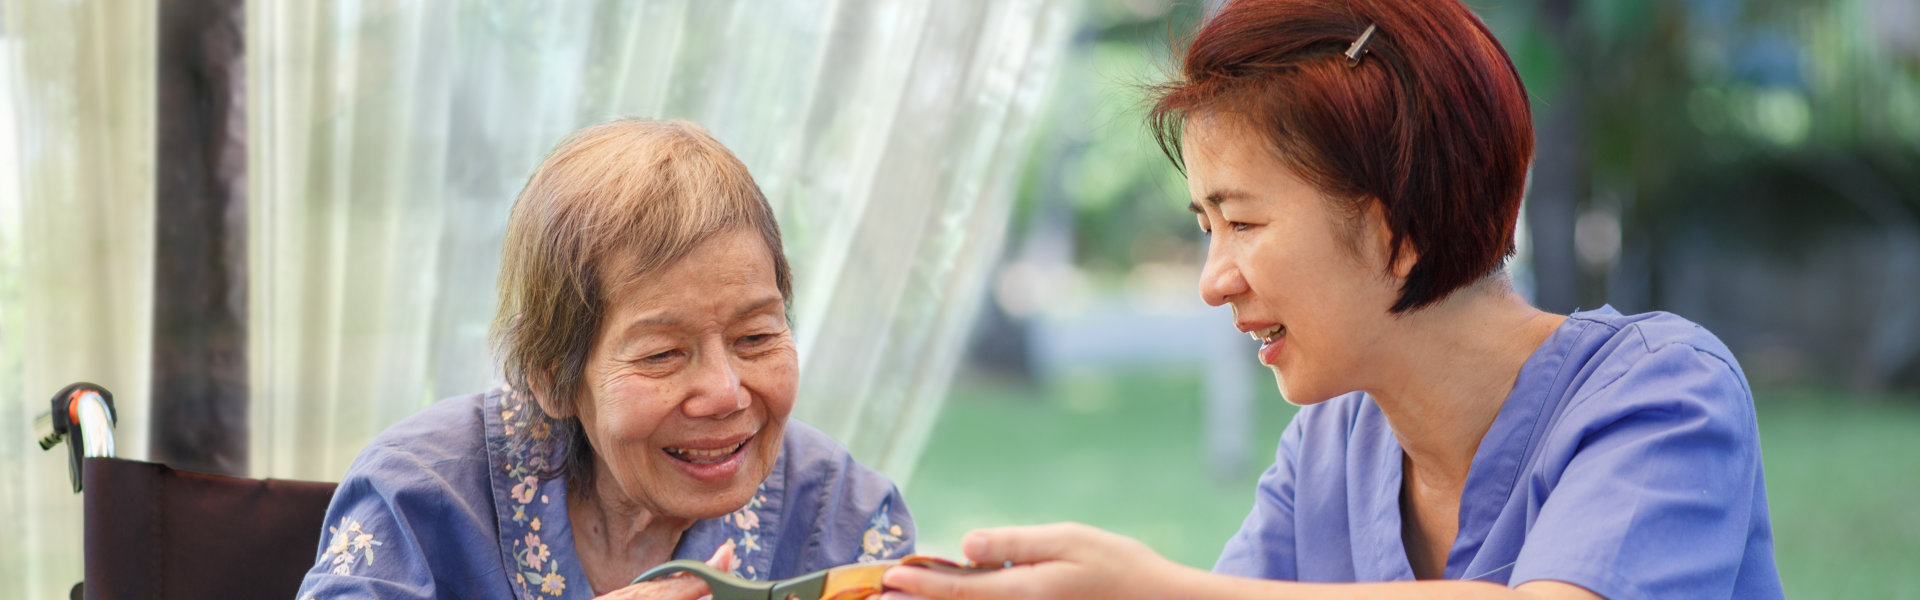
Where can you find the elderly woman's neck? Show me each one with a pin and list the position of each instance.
(617, 536)
(1451, 367)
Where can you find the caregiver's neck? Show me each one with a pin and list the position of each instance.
(1449, 368)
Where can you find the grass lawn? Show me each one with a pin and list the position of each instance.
(1843, 476)
(1123, 451)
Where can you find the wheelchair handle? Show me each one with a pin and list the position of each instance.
(83, 412)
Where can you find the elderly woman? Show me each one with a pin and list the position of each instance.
(650, 373)
(1358, 166)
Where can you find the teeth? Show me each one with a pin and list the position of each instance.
(1267, 335)
(705, 454)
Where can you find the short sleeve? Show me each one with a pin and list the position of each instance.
(1264, 546)
(1657, 499)
(366, 551)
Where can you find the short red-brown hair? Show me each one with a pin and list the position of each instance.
(1432, 122)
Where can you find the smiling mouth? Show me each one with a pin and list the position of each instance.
(707, 457)
(1269, 334)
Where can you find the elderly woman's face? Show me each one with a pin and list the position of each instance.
(1280, 256)
(690, 383)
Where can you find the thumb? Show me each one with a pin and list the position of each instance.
(1030, 544)
(679, 586)
(723, 558)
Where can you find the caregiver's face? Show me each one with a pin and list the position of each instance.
(690, 383)
(1282, 259)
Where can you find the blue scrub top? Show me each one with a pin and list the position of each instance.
(449, 504)
(1626, 461)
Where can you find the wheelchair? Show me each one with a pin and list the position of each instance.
(152, 531)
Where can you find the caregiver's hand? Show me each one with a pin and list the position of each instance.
(679, 586)
(1063, 560)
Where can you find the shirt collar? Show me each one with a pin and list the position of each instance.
(536, 536)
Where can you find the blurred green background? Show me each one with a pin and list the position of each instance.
(1123, 450)
(1753, 165)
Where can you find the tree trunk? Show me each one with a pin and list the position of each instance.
(1560, 170)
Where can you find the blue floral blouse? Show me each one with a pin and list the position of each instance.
(446, 505)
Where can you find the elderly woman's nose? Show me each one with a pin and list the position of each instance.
(717, 391)
(1220, 279)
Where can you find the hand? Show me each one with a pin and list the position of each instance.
(678, 586)
(1063, 560)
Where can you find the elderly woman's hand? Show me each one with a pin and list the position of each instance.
(1063, 560)
(679, 586)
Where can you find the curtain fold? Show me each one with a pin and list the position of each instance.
(390, 139)
(386, 142)
(76, 255)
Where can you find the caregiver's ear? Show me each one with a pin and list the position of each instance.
(1379, 238)
(1409, 256)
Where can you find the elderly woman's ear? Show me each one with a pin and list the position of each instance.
(542, 388)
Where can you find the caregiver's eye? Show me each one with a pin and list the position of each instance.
(1239, 226)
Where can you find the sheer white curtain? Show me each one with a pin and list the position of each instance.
(76, 255)
(388, 140)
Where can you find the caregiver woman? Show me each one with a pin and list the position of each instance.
(650, 371)
(1358, 166)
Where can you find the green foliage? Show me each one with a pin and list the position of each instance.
(1093, 151)
(1730, 87)
(1670, 90)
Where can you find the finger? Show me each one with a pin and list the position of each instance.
(723, 558)
(918, 582)
(1012, 582)
(679, 586)
(1030, 544)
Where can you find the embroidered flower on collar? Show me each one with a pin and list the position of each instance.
(534, 560)
(883, 538)
(746, 532)
(554, 584)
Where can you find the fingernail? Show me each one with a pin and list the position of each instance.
(974, 545)
(722, 555)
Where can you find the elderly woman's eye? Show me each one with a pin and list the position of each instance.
(659, 357)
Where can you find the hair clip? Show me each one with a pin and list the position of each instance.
(1359, 46)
